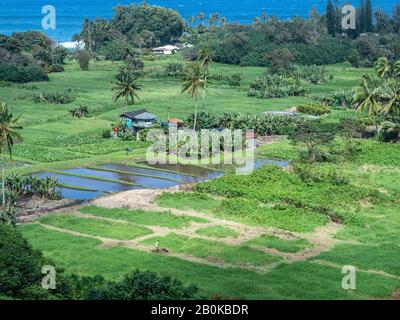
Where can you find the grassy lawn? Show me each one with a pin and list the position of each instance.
(162, 219)
(211, 250)
(96, 227)
(217, 232)
(302, 280)
(270, 241)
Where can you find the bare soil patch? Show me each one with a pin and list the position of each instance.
(30, 208)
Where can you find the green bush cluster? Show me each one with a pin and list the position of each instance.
(313, 74)
(339, 98)
(271, 185)
(54, 97)
(48, 187)
(22, 74)
(313, 109)
(275, 86)
(262, 124)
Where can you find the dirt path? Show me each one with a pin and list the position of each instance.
(322, 239)
(376, 272)
(136, 244)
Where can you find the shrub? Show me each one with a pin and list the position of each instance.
(20, 265)
(389, 132)
(144, 286)
(54, 97)
(59, 55)
(115, 50)
(83, 57)
(314, 138)
(79, 111)
(106, 134)
(174, 69)
(314, 74)
(57, 68)
(22, 74)
(8, 212)
(313, 109)
(275, 86)
(340, 98)
(280, 59)
(235, 79)
(135, 65)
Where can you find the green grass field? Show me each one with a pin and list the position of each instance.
(265, 236)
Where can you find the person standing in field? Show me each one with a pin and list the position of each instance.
(158, 246)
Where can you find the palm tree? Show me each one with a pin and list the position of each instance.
(392, 91)
(193, 79)
(367, 96)
(9, 132)
(396, 69)
(206, 58)
(223, 21)
(192, 19)
(382, 67)
(126, 87)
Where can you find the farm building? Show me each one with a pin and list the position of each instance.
(174, 122)
(138, 119)
(168, 49)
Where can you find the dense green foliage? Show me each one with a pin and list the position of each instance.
(275, 86)
(21, 266)
(144, 286)
(21, 278)
(313, 109)
(22, 74)
(273, 185)
(262, 124)
(54, 97)
(29, 56)
(133, 26)
(48, 187)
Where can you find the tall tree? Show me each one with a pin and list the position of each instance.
(9, 132)
(193, 80)
(126, 87)
(206, 58)
(368, 20)
(330, 17)
(361, 17)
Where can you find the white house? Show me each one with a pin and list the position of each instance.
(168, 49)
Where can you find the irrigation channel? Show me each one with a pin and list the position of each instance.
(89, 183)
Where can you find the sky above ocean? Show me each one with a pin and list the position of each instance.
(22, 15)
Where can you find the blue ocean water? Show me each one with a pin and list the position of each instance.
(22, 15)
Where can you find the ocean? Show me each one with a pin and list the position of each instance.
(22, 15)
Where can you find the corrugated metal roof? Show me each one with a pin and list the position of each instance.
(141, 114)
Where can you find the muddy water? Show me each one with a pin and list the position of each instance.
(99, 186)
